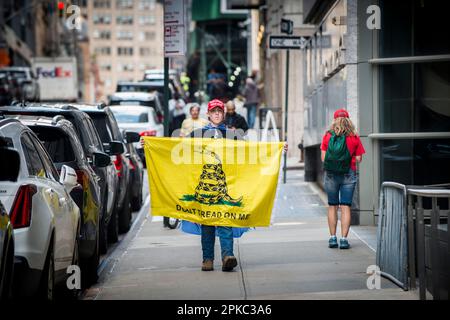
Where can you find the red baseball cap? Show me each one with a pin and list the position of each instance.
(341, 113)
(216, 104)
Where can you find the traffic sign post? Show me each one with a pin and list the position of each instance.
(286, 43)
(174, 45)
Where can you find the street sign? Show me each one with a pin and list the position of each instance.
(286, 42)
(174, 28)
(287, 26)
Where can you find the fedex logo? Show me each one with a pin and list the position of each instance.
(56, 72)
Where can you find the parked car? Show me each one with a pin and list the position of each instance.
(110, 135)
(9, 171)
(152, 86)
(138, 99)
(6, 90)
(45, 218)
(136, 169)
(142, 120)
(61, 142)
(93, 149)
(27, 81)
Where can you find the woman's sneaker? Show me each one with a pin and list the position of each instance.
(343, 244)
(332, 243)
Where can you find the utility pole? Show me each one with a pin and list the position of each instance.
(286, 114)
(166, 96)
(287, 26)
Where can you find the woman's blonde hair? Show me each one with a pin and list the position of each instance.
(343, 126)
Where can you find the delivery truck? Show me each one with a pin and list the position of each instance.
(57, 78)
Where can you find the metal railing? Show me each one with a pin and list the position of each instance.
(407, 245)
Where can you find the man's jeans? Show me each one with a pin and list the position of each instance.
(209, 236)
(251, 114)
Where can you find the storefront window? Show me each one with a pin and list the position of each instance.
(415, 162)
(415, 97)
(413, 28)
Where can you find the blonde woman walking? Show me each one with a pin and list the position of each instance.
(341, 150)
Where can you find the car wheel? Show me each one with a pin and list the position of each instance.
(103, 241)
(171, 223)
(113, 228)
(47, 286)
(125, 214)
(7, 272)
(89, 266)
(136, 202)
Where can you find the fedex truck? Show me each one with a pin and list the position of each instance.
(57, 78)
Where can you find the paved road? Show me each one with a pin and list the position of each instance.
(289, 260)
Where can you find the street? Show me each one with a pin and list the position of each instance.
(289, 260)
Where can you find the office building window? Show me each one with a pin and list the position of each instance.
(147, 4)
(124, 19)
(124, 35)
(418, 162)
(147, 36)
(124, 4)
(102, 34)
(101, 19)
(125, 51)
(105, 67)
(104, 51)
(145, 51)
(102, 4)
(125, 67)
(412, 28)
(415, 97)
(146, 20)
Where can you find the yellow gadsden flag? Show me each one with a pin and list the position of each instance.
(219, 182)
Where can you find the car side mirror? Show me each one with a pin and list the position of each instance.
(116, 148)
(68, 177)
(132, 137)
(9, 164)
(101, 159)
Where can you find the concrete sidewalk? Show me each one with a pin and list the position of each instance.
(289, 260)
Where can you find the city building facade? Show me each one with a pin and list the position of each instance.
(126, 38)
(385, 62)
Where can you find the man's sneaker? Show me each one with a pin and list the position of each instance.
(229, 262)
(343, 244)
(207, 265)
(332, 243)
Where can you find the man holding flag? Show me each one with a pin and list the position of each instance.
(215, 129)
(215, 186)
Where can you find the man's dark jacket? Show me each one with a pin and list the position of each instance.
(237, 121)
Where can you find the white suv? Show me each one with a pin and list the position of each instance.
(46, 220)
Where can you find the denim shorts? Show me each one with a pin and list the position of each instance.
(340, 187)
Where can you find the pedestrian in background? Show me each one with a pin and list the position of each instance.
(252, 98)
(341, 150)
(194, 122)
(177, 112)
(233, 120)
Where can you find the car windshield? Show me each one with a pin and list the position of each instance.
(123, 87)
(134, 102)
(126, 116)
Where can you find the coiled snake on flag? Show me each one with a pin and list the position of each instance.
(212, 187)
